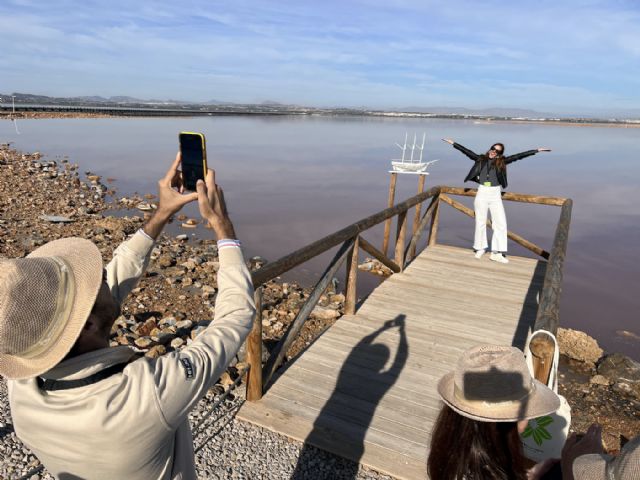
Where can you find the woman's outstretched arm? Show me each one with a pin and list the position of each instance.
(519, 156)
(472, 155)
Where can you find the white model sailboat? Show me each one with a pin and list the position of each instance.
(414, 163)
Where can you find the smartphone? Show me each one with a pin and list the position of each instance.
(194, 159)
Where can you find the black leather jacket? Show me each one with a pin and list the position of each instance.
(474, 173)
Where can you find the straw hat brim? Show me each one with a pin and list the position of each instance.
(541, 401)
(85, 262)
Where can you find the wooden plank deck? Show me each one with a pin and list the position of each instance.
(366, 389)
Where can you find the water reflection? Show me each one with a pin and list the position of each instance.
(291, 180)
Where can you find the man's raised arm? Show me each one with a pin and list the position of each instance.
(131, 258)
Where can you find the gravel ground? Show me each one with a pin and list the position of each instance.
(226, 448)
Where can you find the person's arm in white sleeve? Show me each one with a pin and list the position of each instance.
(183, 378)
(131, 258)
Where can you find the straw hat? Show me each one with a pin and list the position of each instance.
(45, 300)
(493, 384)
(625, 466)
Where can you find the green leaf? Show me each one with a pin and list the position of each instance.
(544, 421)
(544, 433)
(536, 437)
(527, 432)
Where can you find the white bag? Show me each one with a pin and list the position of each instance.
(544, 436)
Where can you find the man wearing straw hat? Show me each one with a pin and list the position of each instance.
(90, 411)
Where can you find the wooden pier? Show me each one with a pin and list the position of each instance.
(366, 388)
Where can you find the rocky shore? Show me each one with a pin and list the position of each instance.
(42, 200)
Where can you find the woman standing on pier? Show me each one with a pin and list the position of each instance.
(490, 172)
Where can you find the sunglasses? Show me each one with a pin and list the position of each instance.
(494, 149)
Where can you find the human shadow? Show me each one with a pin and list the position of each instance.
(530, 306)
(343, 422)
(507, 391)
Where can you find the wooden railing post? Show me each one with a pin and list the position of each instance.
(387, 223)
(542, 349)
(254, 352)
(416, 218)
(352, 278)
(400, 242)
(435, 220)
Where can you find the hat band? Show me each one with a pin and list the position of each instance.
(64, 304)
(485, 404)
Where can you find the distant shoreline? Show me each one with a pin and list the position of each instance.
(46, 112)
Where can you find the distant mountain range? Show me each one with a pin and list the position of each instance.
(96, 100)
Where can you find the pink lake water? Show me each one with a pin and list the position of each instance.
(291, 180)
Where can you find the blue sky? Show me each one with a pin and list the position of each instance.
(560, 56)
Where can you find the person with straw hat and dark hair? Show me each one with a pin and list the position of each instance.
(488, 400)
(91, 411)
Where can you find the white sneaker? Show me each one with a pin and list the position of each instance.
(499, 257)
(479, 253)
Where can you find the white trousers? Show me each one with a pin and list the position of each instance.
(489, 199)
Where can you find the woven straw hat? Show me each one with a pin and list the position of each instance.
(625, 466)
(45, 300)
(493, 384)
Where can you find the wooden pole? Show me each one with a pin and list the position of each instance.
(542, 349)
(276, 357)
(416, 218)
(400, 243)
(516, 238)
(435, 220)
(374, 252)
(351, 280)
(413, 244)
(254, 352)
(387, 224)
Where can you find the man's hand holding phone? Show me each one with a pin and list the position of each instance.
(213, 207)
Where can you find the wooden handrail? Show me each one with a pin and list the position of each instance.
(548, 316)
(276, 357)
(513, 236)
(512, 197)
(286, 263)
(418, 231)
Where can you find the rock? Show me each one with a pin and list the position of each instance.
(177, 343)
(168, 321)
(617, 366)
(166, 261)
(156, 351)
(225, 379)
(325, 313)
(599, 380)
(182, 237)
(145, 207)
(144, 342)
(56, 219)
(184, 324)
(578, 345)
(147, 327)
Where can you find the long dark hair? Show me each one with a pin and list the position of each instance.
(498, 161)
(462, 448)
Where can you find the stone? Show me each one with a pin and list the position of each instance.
(156, 351)
(144, 342)
(617, 366)
(147, 327)
(599, 380)
(578, 345)
(167, 321)
(177, 343)
(56, 219)
(324, 313)
(184, 324)
(225, 379)
(166, 261)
